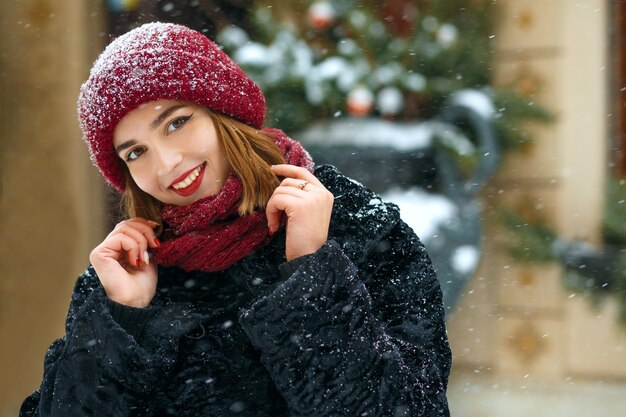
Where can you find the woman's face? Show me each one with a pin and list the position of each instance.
(172, 151)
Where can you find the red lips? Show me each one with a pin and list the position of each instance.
(191, 188)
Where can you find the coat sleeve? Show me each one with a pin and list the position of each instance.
(97, 368)
(345, 341)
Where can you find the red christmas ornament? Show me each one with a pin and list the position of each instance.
(321, 14)
(360, 102)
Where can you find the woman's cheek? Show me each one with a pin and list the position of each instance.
(142, 182)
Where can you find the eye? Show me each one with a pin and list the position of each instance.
(177, 123)
(134, 154)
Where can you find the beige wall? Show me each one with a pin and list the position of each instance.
(523, 345)
(51, 213)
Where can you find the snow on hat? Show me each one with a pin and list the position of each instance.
(159, 61)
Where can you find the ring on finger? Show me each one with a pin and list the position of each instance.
(302, 184)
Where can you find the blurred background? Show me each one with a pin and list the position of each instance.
(498, 127)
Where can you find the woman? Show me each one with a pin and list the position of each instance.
(245, 281)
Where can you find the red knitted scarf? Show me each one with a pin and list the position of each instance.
(208, 234)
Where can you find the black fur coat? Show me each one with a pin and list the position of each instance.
(355, 329)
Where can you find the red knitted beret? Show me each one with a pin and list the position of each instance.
(159, 61)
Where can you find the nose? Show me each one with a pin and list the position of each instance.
(166, 160)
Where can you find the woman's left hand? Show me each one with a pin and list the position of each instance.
(308, 206)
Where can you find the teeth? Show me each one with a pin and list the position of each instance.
(190, 178)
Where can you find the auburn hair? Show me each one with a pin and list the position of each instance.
(249, 151)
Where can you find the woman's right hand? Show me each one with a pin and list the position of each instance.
(122, 263)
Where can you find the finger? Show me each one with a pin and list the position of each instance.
(276, 206)
(294, 183)
(287, 202)
(144, 236)
(118, 247)
(140, 238)
(133, 249)
(292, 171)
(130, 231)
(292, 191)
(272, 213)
(137, 229)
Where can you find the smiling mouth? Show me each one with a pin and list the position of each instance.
(189, 179)
(190, 183)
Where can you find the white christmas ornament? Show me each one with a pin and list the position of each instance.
(447, 34)
(358, 19)
(390, 101)
(415, 82)
(389, 73)
(347, 47)
(233, 37)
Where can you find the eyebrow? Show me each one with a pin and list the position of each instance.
(155, 123)
(159, 119)
(125, 145)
